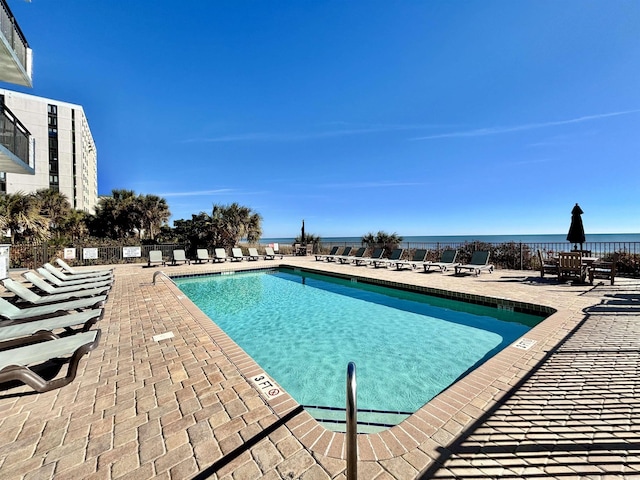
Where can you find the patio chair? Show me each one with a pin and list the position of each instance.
(70, 277)
(447, 259)
(57, 281)
(45, 287)
(12, 333)
(269, 254)
(15, 362)
(479, 262)
(253, 254)
(202, 255)
(220, 255)
(180, 256)
(395, 256)
(99, 271)
(33, 298)
(155, 256)
(547, 266)
(418, 257)
(12, 312)
(237, 255)
(603, 269)
(570, 265)
(334, 250)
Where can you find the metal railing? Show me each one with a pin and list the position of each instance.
(520, 255)
(14, 135)
(352, 423)
(11, 31)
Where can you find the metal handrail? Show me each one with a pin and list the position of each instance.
(160, 272)
(352, 423)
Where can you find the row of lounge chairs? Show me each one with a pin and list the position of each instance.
(48, 319)
(479, 260)
(219, 255)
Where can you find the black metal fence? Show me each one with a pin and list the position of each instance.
(521, 255)
(509, 255)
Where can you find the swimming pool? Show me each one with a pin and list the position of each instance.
(303, 328)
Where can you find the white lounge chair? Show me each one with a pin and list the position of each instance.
(15, 362)
(269, 254)
(87, 318)
(479, 262)
(45, 287)
(418, 257)
(98, 272)
(237, 255)
(375, 256)
(202, 255)
(220, 255)
(67, 276)
(180, 256)
(253, 254)
(347, 257)
(395, 256)
(331, 254)
(155, 256)
(447, 259)
(33, 298)
(76, 276)
(13, 312)
(55, 280)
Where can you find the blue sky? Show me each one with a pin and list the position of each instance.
(415, 117)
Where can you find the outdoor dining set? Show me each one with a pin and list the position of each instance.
(578, 265)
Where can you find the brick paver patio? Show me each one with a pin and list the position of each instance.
(183, 407)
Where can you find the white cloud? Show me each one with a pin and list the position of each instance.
(483, 132)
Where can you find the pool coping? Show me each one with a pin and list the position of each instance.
(437, 422)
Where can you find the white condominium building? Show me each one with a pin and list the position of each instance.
(62, 151)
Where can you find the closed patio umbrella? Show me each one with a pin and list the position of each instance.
(576, 230)
(302, 233)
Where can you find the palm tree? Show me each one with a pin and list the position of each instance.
(53, 205)
(155, 213)
(75, 224)
(117, 216)
(21, 215)
(382, 239)
(230, 223)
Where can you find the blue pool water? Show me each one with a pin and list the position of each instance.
(304, 328)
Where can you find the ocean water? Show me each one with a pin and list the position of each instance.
(547, 238)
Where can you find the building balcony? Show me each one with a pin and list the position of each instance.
(15, 143)
(15, 54)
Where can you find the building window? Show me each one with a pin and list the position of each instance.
(52, 113)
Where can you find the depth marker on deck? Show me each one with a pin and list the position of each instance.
(525, 343)
(267, 387)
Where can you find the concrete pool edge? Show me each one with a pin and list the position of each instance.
(434, 425)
